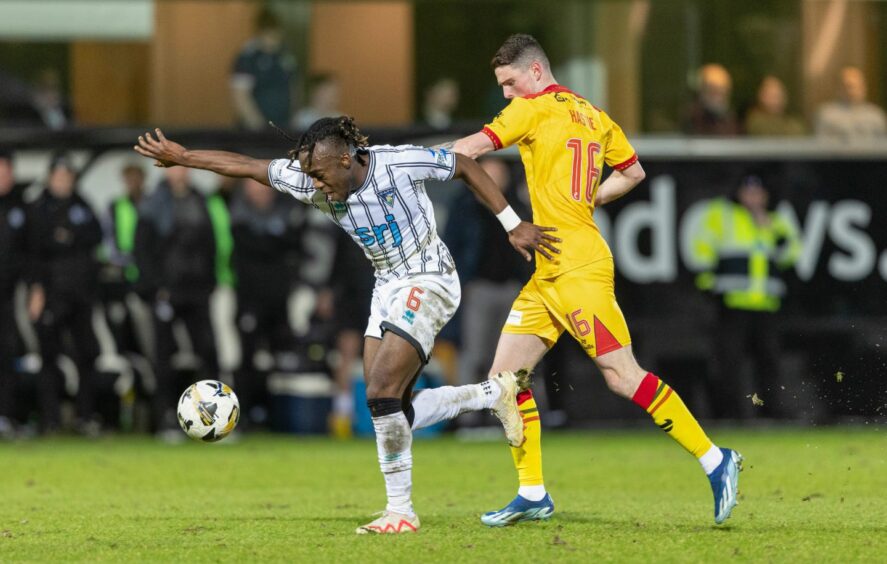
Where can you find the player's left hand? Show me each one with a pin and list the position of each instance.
(527, 237)
(166, 153)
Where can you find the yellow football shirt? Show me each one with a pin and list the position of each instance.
(564, 141)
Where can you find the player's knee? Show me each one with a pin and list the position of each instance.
(376, 390)
(620, 382)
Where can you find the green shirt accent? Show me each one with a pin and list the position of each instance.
(126, 219)
(221, 221)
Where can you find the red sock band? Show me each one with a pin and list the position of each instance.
(646, 391)
(524, 396)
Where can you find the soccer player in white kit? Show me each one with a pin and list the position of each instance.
(377, 195)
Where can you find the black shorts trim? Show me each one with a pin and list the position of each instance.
(388, 326)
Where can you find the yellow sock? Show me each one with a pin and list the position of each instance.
(671, 415)
(528, 457)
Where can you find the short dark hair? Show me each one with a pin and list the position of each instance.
(132, 166)
(519, 49)
(5, 154)
(340, 128)
(60, 159)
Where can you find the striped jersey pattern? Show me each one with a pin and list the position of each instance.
(390, 216)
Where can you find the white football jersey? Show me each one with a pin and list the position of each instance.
(390, 216)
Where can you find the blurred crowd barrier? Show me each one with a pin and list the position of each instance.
(829, 335)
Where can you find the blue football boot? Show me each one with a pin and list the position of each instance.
(725, 484)
(520, 509)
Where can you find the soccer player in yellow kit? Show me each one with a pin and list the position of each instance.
(564, 143)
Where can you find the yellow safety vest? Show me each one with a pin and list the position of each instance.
(743, 258)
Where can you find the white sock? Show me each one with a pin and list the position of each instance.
(533, 493)
(393, 442)
(711, 459)
(447, 402)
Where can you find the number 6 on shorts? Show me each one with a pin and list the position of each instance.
(413, 301)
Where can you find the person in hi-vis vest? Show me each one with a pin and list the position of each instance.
(745, 248)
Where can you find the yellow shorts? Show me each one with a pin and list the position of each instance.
(582, 301)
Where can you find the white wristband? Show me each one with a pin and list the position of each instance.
(508, 218)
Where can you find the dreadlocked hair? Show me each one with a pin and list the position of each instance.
(340, 128)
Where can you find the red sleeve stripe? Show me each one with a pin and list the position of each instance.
(626, 164)
(497, 143)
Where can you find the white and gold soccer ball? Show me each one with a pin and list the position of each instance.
(208, 411)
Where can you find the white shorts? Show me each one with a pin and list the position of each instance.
(415, 307)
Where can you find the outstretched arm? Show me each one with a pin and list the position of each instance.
(169, 153)
(522, 235)
(474, 145)
(619, 183)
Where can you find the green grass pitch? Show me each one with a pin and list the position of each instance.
(622, 496)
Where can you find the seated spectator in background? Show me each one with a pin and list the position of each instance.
(263, 78)
(175, 251)
(16, 102)
(768, 117)
(851, 117)
(49, 100)
(13, 255)
(323, 101)
(64, 234)
(441, 100)
(711, 112)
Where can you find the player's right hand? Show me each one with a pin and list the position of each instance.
(527, 237)
(166, 153)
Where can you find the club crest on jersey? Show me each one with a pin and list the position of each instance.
(388, 196)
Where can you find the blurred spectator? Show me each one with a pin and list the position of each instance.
(743, 246)
(851, 117)
(123, 219)
(491, 272)
(323, 101)
(64, 235)
(218, 204)
(127, 315)
(13, 253)
(711, 112)
(263, 78)
(768, 117)
(175, 251)
(49, 101)
(266, 230)
(352, 282)
(441, 100)
(16, 102)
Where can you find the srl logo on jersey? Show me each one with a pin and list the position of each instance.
(376, 233)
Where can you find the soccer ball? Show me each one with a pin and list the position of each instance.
(208, 411)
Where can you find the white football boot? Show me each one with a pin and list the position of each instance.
(505, 408)
(390, 523)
